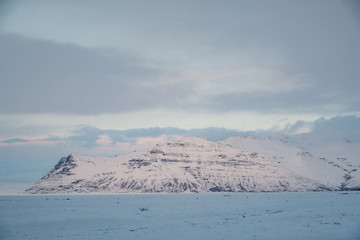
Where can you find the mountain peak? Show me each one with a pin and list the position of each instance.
(193, 164)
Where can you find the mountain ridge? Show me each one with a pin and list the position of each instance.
(199, 165)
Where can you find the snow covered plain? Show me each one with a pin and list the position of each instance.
(296, 215)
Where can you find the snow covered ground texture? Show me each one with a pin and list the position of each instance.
(299, 215)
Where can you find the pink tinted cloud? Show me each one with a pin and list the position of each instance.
(104, 140)
(32, 140)
(302, 131)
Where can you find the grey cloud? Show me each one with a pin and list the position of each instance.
(315, 41)
(5, 6)
(41, 76)
(14, 140)
(346, 127)
(212, 133)
(86, 136)
(314, 100)
(354, 8)
(319, 44)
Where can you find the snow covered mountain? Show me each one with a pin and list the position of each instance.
(333, 162)
(239, 164)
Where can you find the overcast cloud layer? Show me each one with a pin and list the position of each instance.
(120, 56)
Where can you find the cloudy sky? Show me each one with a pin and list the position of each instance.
(98, 77)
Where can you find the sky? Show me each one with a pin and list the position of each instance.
(101, 77)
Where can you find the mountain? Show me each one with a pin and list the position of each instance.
(333, 162)
(238, 164)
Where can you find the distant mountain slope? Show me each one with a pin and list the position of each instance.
(331, 161)
(239, 164)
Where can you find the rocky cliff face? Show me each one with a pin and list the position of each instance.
(185, 165)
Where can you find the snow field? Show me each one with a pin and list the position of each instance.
(306, 215)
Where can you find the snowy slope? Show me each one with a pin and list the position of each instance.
(333, 162)
(240, 164)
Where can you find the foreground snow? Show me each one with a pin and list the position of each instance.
(309, 215)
